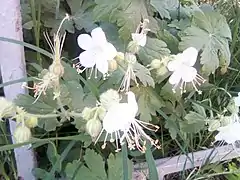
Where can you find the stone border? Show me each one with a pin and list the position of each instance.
(178, 163)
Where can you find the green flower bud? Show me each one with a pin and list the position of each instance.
(155, 64)
(101, 113)
(109, 97)
(130, 58)
(7, 108)
(119, 57)
(112, 65)
(31, 122)
(93, 127)
(133, 47)
(87, 113)
(213, 125)
(22, 134)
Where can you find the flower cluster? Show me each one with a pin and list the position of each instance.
(229, 132)
(183, 70)
(120, 123)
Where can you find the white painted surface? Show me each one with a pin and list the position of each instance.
(12, 64)
(175, 164)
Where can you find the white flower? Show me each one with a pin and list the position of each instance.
(140, 36)
(183, 70)
(229, 134)
(98, 51)
(120, 123)
(237, 100)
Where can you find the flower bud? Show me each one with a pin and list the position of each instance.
(162, 71)
(22, 134)
(119, 57)
(213, 125)
(101, 113)
(7, 108)
(87, 113)
(112, 65)
(133, 47)
(130, 58)
(108, 98)
(93, 127)
(57, 69)
(155, 64)
(31, 122)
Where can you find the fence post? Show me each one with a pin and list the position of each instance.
(12, 62)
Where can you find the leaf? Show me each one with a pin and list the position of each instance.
(168, 94)
(172, 127)
(115, 167)
(38, 107)
(94, 171)
(39, 173)
(53, 156)
(75, 95)
(209, 32)
(148, 102)
(153, 173)
(171, 41)
(163, 7)
(126, 13)
(82, 14)
(154, 49)
(200, 110)
(143, 75)
(195, 122)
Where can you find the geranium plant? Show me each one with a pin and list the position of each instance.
(138, 71)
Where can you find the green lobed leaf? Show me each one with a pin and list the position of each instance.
(171, 125)
(154, 49)
(144, 75)
(164, 6)
(126, 13)
(210, 32)
(94, 171)
(148, 102)
(39, 107)
(115, 167)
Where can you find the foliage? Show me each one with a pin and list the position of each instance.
(68, 102)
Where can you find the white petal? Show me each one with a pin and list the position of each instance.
(101, 64)
(237, 100)
(109, 51)
(98, 36)
(88, 58)
(85, 41)
(174, 64)
(175, 77)
(190, 56)
(141, 39)
(189, 73)
(117, 118)
(132, 103)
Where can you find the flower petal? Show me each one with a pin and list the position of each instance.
(175, 77)
(85, 41)
(190, 56)
(237, 100)
(109, 51)
(133, 106)
(98, 36)
(141, 39)
(101, 64)
(88, 58)
(174, 64)
(189, 73)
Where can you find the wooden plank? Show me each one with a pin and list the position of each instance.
(178, 163)
(12, 64)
